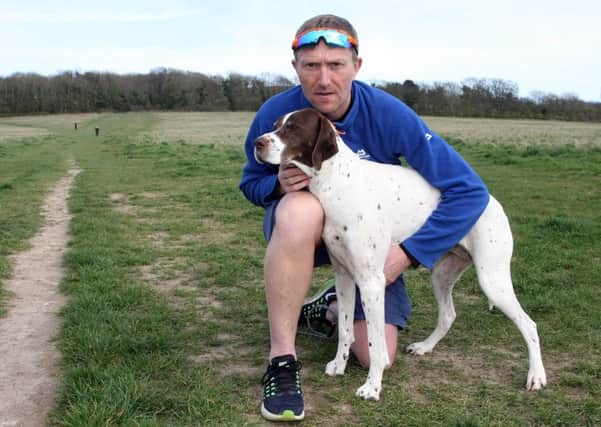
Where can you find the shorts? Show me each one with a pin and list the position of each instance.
(396, 302)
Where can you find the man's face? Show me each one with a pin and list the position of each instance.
(326, 75)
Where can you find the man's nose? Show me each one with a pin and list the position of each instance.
(324, 75)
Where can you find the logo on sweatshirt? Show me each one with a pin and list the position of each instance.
(363, 154)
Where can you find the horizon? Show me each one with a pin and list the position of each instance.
(533, 95)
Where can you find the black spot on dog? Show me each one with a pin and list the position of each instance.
(348, 175)
(370, 343)
(379, 207)
(345, 228)
(337, 237)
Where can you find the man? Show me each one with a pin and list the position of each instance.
(378, 127)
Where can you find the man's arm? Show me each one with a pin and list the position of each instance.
(463, 195)
(259, 182)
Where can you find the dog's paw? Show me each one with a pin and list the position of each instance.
(419, 348)
(335, 368)
(536, 380)
(368, 392)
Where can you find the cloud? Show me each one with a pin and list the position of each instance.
(15, 15)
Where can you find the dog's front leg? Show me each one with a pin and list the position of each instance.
(372, 298)
(345, 294)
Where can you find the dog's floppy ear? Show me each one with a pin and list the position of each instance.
(325, 145)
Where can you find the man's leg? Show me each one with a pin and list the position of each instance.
(289, 266)
(288, 271)
(360, 347)
(397, 310)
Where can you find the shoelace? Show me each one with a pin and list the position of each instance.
(281, 379)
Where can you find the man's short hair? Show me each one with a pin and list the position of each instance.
(329, 21)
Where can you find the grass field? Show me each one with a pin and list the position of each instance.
(166, 321)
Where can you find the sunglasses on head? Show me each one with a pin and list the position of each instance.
(332, 37)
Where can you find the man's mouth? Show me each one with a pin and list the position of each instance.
(324, 94)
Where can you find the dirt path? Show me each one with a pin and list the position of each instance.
(29, 360)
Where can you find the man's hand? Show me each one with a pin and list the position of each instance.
(291, 179)
(397, 261)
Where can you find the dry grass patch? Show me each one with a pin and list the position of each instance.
(440, 369)
(174, 280)
(513, 131)
(8, 131)
(231, 127)
(121, 204)
(202, 127)
(25, 126)
(231, 357)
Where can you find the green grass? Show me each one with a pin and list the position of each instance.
(166, 322)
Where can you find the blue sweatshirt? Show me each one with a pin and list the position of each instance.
(381, 128)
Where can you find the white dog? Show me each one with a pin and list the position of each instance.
(369, 206)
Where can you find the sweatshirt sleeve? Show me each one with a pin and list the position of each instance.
(259, 181)
(463, 195)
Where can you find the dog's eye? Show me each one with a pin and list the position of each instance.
(290, 126)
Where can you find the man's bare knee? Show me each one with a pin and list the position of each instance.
(299, 216)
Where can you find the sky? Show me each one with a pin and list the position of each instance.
(551, 46)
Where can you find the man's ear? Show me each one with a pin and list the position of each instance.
(325, 145)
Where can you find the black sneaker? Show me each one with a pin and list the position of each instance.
(314, 310)
(282, 396)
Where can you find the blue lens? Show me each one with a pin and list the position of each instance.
(331, 37)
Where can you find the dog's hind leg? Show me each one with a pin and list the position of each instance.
(345, 294)
(495, 281)
(445, 274)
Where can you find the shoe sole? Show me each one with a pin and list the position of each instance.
(287, 415)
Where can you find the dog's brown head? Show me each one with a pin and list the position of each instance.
(304, 136)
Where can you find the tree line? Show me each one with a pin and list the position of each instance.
(168, 89)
